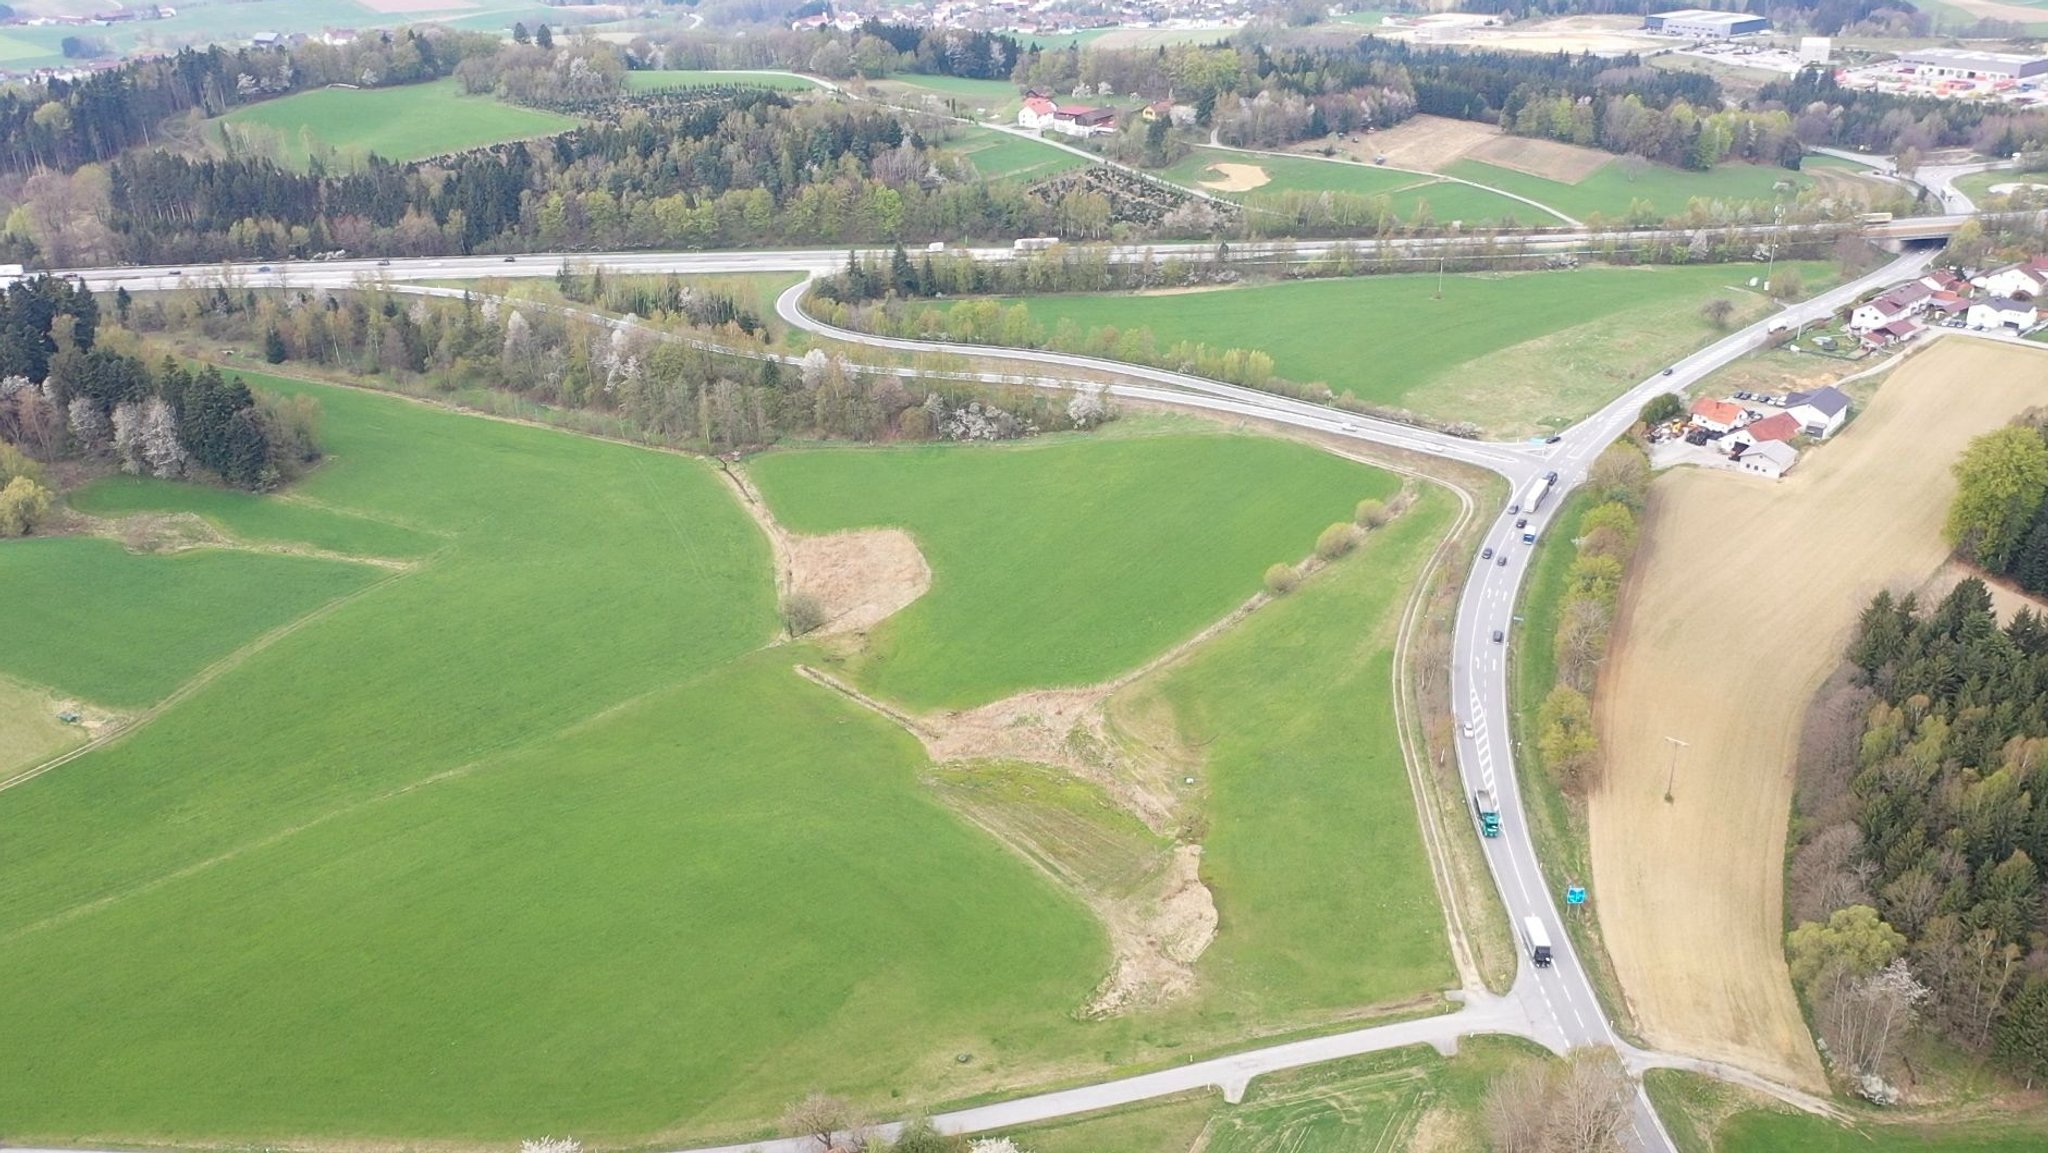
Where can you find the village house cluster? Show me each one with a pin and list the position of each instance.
(2002, 300)
(1755, 432)
(1042, 111)
(1037, 17)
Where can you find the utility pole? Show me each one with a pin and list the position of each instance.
(1671, 775)
(1439, 274)
(1778, 222)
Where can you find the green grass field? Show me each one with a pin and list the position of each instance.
(1447, 199)
(403, 123)
(232, 22)
(1608, 192)
(1002, 156)
(1575, 338)
(249, 517)
(1708, 1116)
(1097, 554)
(522, 840)
(1314, 850)
(124, 630)
(1376, 1102)
(653, 81)
(538, 836)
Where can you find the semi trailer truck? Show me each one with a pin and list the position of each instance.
(1538, 941)
(1488, 809)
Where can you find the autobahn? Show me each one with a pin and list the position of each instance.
(1558, 1006)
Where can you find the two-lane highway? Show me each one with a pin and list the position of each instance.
(1556, 1006)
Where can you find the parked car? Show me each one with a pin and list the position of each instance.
(1486, 553)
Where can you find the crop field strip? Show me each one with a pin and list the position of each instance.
(409, 122)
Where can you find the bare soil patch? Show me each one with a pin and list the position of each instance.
(30, 730)
(1565, 163)
(1740, 604)
(1428, 143)
(858, 578)
(1237, 177)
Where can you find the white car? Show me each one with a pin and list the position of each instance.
(1468, 730)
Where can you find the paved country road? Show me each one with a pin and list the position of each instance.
(1556, 1006)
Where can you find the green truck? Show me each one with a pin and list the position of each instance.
(1488, 809)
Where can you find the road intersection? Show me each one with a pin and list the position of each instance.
(1556, 1006)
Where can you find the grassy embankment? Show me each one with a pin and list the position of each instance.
(409, 122)
(1519, 353)
(1708, 1116)
(1557, 823)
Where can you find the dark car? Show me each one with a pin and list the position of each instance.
(510, 259)
(263, 268)
(1498, 636)
(1552, 440)
(383, 264)
(1503, 561)
(1667, 372)
(1486, 553)
(1522, 522)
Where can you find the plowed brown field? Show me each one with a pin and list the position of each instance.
(1740, 604)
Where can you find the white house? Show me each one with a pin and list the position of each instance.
(1082, 120)
(2003, 311)
(1772, 458)
(1036, 113)
(1819, 412)
(1906, 300)
(1718, 415)
(2027, 279)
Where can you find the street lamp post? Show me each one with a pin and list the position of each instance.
(1671, 774)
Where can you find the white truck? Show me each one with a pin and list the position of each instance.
(1034, 243)
(1538, 489)
(1538, 941)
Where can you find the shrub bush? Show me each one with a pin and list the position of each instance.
(1281, 579)
(1336, 540)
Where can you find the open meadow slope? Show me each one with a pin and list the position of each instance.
(406, 122)
(520, 841)
(1512, 353)
(1254, 177)
(542, 833)
(1739, 606)
(1064, 564)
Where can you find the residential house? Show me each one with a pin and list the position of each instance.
(1901, 302)
(1948, 303)
(1158, 110)
(1771, 458)
(1779, 426)
(1942, 280)
(2003, 312)
(1819, 412)
(1886, 335)
(1083, 120)
(1036, 113)
(1718, 415)
(2028, 279)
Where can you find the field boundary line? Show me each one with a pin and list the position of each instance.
(207, 676)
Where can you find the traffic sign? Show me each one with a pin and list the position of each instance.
(1575, 895)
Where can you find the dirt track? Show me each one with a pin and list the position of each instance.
(1740, 604)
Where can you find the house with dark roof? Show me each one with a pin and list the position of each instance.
(2003, 312)
(1819, 412)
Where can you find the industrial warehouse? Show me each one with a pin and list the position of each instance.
(1705, 24)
